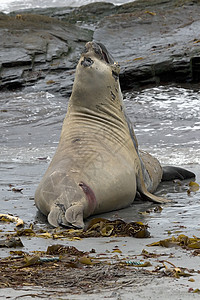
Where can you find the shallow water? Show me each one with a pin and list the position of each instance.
(166, 121)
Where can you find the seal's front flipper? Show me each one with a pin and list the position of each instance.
(150, 197)
(74, 215)
(145, 194)
(172, 173)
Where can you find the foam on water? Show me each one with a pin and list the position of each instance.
(7, 6)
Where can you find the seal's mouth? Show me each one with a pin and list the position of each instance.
(100, 50)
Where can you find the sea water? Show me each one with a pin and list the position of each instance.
(7, 6)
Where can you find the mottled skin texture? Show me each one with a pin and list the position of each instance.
(97, 167)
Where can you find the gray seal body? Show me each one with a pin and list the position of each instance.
(97, 166)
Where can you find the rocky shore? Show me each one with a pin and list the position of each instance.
(154, 41)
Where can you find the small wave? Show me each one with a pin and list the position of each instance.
(7, 6)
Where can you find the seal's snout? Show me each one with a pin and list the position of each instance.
(92, 47)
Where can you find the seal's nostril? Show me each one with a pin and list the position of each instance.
(87, 62)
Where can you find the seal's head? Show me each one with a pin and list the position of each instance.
(98, 50)
(96, 76)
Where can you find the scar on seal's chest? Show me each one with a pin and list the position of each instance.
(89, 195)
(113, 96)
(76, 140)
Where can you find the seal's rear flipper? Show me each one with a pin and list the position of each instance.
(70, 218)
(171, 173)
(74, 215)
(54, 216)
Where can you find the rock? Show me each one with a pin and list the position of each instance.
(35, 48)
(11, 242)
(155, 41)
(88, 14)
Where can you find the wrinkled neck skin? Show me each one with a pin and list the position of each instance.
(96, 95)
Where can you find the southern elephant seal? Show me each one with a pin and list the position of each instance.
(97, 166)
